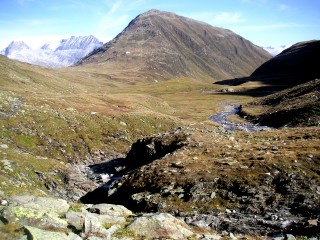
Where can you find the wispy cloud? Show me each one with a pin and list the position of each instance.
(283, 7)
(271, 26)
(117, 15)
(23, 2)
(220, 18)
(259, 2)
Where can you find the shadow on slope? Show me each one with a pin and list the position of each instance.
(297, 106)
(142, 152)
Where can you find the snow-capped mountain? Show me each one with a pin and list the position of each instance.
(54, 54)
(275, 50)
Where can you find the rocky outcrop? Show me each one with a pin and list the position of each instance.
(252, 188)
(159, 226)
(146, 150)
(36, 211)
(49, 218)
(142, 152)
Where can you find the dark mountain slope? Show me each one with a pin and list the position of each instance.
(296, 106)
(298, 64)
(161, 45)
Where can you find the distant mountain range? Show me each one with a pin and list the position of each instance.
(160, 45)
(61, 53)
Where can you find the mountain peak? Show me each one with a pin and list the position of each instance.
(164, 45)
(15, 46)
(151, 12)
(62, 53)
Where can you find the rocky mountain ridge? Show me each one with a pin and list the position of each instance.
(62, 53)
(162, 45)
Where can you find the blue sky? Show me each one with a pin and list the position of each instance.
(263, 22)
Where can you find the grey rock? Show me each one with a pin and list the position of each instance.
(4, 146)
(290, 237)
(93, 227)
(201, 224)
(31, 217)
(110, 209)
(77, 219)
(73, 236)
(95, 238)
(39, 234)
(160, 225)
(58, 206)
(211, 237)
(1, 223)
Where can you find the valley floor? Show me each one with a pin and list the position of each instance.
(171, 157)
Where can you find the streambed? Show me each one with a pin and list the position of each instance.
(222, 118)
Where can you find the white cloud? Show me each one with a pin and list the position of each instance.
(228, 17)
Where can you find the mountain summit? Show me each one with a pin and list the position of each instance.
(162, 45)
(54, 54)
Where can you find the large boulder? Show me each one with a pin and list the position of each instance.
(40, 212)
(31, 217)
(160, 226)
(39, 234)
(58, 206)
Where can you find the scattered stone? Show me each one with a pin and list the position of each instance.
(4, 202)
(4, 146)
(123, 123)
(310, 156)
(160, 225)
(211, 237)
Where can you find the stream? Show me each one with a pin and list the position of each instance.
(222, 118)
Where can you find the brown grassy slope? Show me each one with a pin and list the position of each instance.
(296, 106)
(161, 45)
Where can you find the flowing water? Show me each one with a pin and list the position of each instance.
(222, 118)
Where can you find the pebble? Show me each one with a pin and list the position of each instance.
(4, 146)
